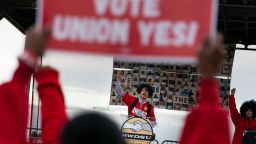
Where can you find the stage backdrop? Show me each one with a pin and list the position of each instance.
(176, 86)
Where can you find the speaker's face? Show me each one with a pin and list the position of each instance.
(249, 113)
(144, 93)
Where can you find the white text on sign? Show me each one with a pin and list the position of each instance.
(117, 31)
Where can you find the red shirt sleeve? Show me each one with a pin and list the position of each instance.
(232, 108)
(207, 124)
(128, 99)
(53, 107)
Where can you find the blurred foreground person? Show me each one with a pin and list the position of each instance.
(208, 123)
(244, 122)
(14, 94)
(14, 103)
(87, 129)
(91, 128)
(52, 105)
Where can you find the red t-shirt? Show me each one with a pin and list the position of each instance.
(140, 108)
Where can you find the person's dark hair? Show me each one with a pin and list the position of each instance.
(148, 88)
(91, 128)
(248, 105)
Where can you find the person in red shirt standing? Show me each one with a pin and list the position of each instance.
(243, 121)
(208, 123)
(138, 106)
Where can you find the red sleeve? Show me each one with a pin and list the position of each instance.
(208, 124)
(53, 107)
(209, 91)
(14, 106)
(206, 127)
(232, 108)
(128, 99)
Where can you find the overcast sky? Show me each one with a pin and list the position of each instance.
(244, 76)
(12, 42)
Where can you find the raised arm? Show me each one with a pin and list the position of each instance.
(232, 106)
(53, 107)
(208, 123)
(14, 94)
(119, 90)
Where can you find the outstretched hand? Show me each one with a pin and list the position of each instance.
(233, 91)
(119, 76)
(211, 56)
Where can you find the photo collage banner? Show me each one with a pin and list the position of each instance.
(175, 85)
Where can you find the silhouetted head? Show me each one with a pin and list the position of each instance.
(91, 128)
(248, 109)
(145, 90)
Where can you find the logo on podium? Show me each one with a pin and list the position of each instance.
(137, 130)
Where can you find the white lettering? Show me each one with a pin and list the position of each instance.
(120, 32)
(79, 29)
(61, 28)
(192, 31)
(167, 33)
(130, 136)
(135, 8)
(162, 34)
(147, 8)
(139, 137)
(145, 31)
(119, 7)
(179, 33)
(102, 30)
(151, 8)
(88, 31)
(100, 6)
(148, 137)
(83, 29)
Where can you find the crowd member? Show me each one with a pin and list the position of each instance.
(243, 121)
(208, 123)
(14, 93)
(14, 103)
(88, 128)
(52, 105)
(91, 128)
(138, 106)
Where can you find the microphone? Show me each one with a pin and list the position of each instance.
(249, 120)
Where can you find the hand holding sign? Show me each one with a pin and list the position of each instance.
(36, 40)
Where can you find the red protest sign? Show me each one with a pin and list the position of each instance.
(161, 28)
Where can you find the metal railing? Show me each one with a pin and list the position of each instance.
(165, 142)
(154, 142)
(170, 142)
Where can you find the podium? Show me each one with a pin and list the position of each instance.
(137, 130)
